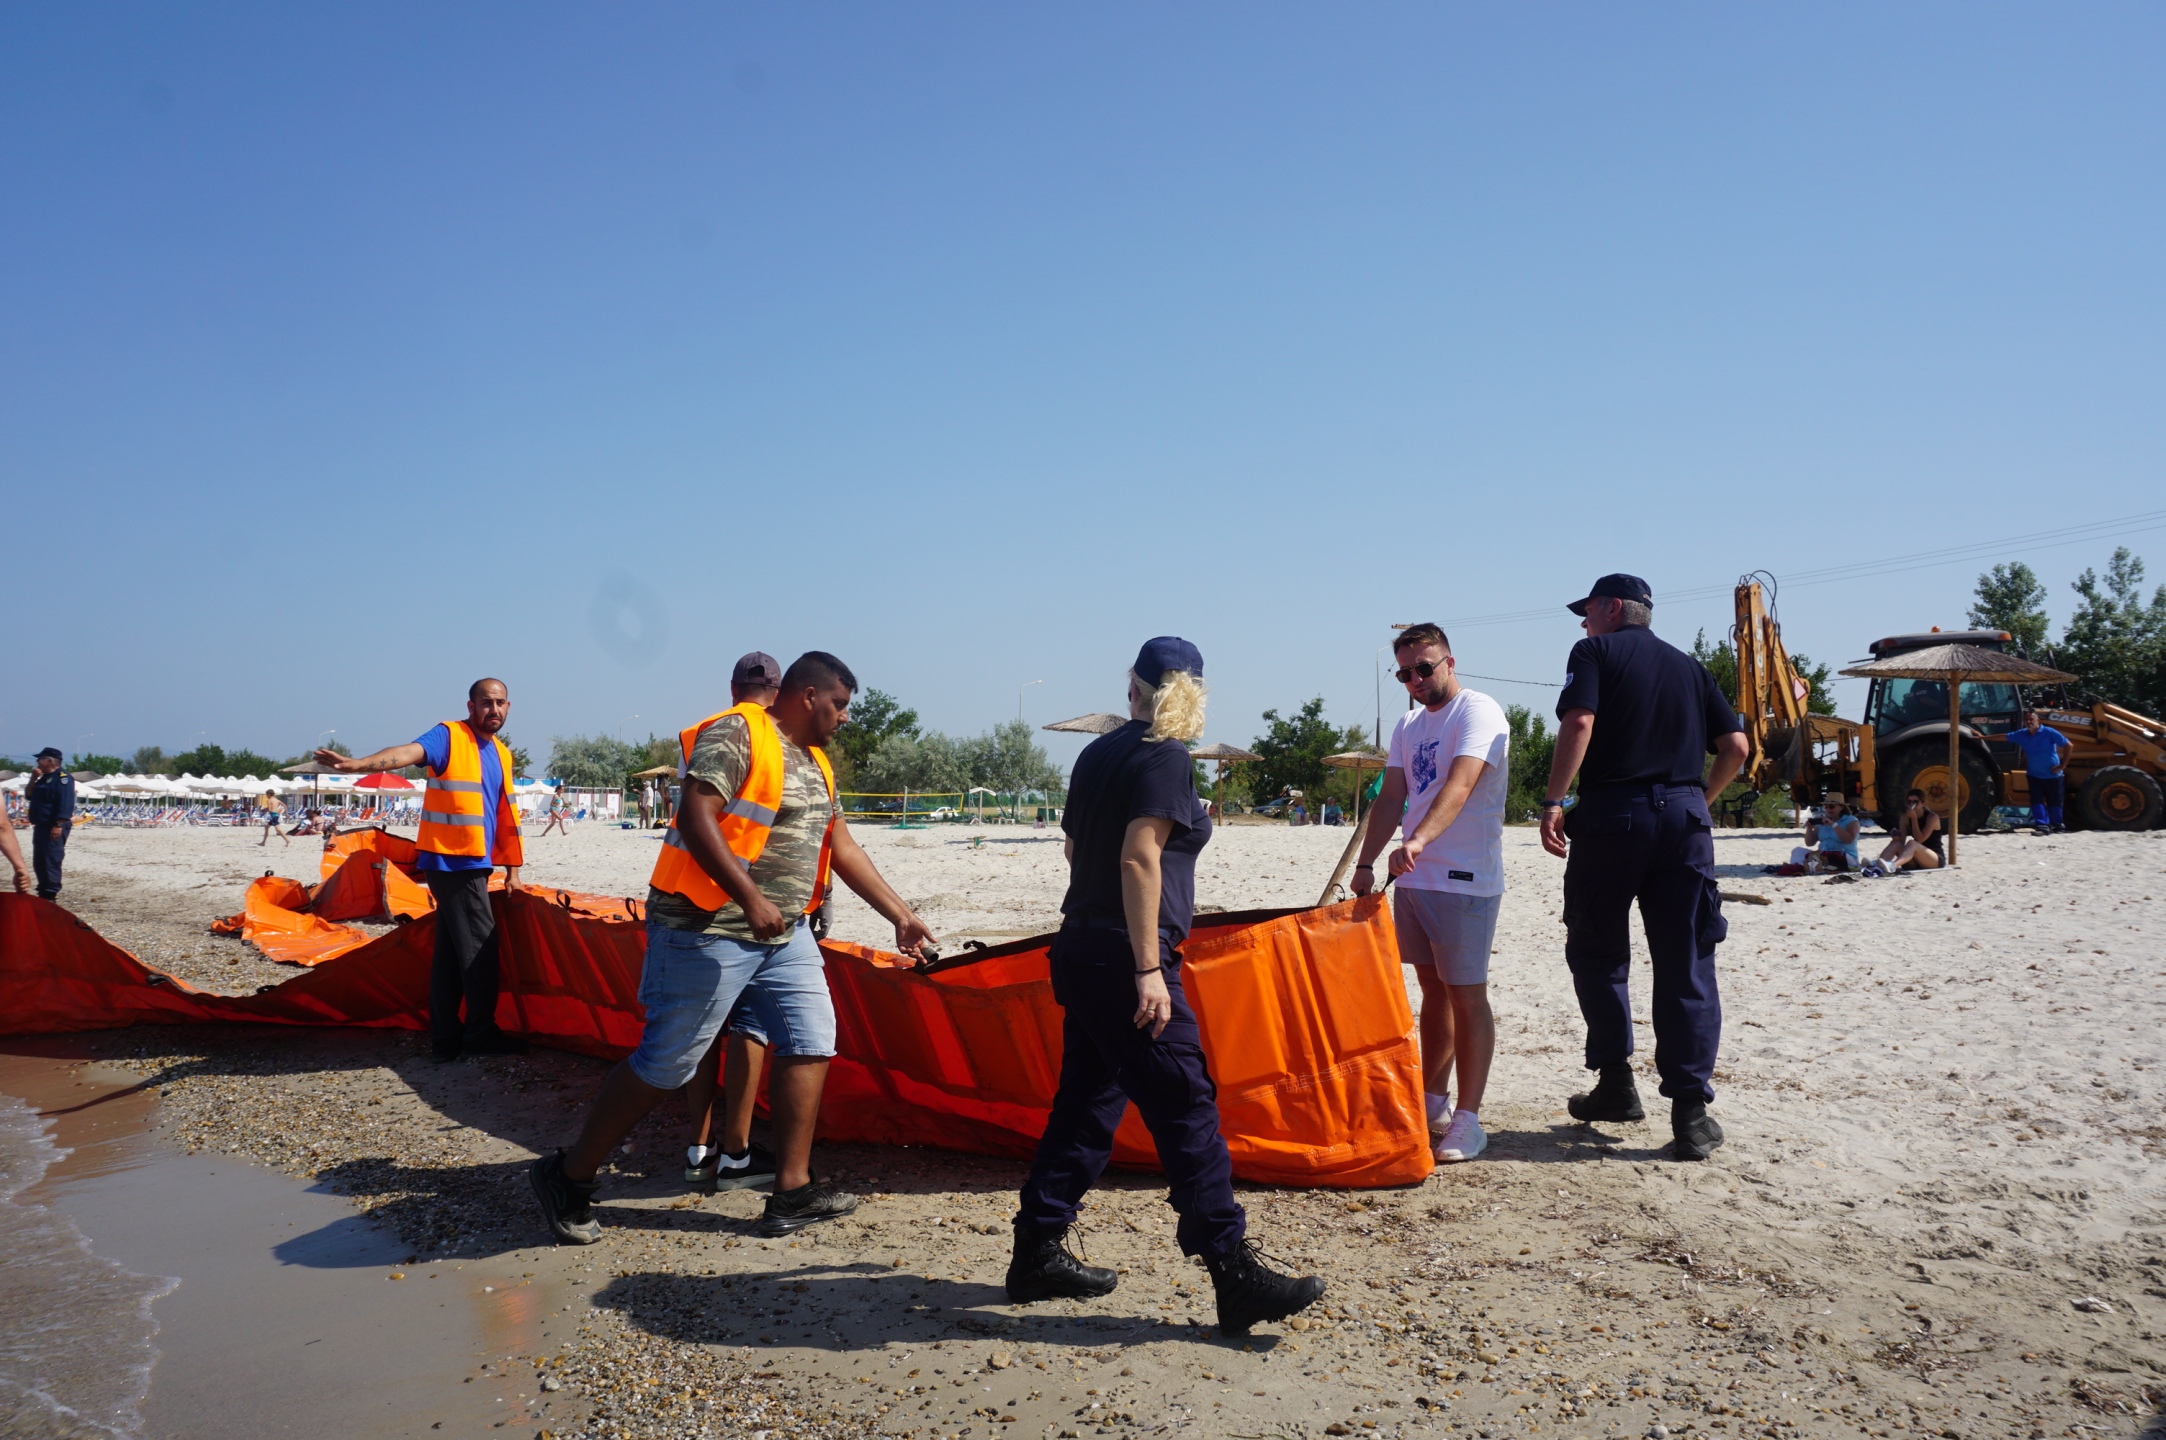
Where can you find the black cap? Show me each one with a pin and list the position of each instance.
(50, 750)
(757, 669)
(1167, 652)
(1615, 587)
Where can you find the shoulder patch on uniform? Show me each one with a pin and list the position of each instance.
(1567, 677)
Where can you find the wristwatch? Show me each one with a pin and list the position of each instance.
(1552, 804)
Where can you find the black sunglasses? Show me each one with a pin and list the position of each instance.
(1425, 669)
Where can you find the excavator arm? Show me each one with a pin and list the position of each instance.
(1787, 739)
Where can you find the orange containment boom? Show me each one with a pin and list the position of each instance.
(1304, 1017)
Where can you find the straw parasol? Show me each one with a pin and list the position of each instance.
(1350, 760)
(1225, 755)
(1952, 665)
(1099, 724)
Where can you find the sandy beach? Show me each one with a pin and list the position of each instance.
(1942, 1208)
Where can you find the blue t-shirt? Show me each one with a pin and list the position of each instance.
(1657, 711)
(2040, 752)
(1122, 777)
(436, 745)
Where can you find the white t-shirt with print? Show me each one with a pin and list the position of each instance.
(1469, 856)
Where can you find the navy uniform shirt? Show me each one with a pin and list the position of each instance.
(50, 798)
(1122, 777)
(1656, 710)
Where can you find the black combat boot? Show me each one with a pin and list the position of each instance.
(1615, 1097)
(1044, 1270)
(1249, 1290)
(1694, 1133)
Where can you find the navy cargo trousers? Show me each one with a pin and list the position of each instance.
(1106, 1062)
(1654, 844)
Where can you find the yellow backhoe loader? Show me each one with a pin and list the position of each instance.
(2116, 760)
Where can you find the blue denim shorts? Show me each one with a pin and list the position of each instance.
(691, 983)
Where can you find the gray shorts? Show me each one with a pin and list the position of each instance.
(1451, 932)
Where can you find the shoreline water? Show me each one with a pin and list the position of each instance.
(153, 1292)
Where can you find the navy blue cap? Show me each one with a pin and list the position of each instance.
(49, 750)
(1615, 587)
(1167, 652)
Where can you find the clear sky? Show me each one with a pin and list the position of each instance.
(350, 352)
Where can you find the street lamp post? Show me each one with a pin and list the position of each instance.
(1019, 698)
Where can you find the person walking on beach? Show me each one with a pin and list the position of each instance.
(2045, 766)
(271, 812)
(1636, 720)
(1447, 769)
(1134, 828)
(469, 826)
(559, 810)
(49, 805)
(729, 1160)
(746, 860)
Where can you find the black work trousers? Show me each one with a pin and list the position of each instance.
(1107, 1062)
(1654, 844)
(47, 851)
(465, 966)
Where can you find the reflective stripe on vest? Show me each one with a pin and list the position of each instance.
(452, 818)
(747, 820)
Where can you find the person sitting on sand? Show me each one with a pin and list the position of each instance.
(1831, 838)
(1916, 843)
(745, 861)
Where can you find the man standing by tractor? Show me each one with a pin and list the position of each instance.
(2045, 766)
(1636, 721)
(469, 826)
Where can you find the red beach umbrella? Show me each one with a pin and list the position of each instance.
(383, 780)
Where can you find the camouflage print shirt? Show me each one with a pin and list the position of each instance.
(789, 867)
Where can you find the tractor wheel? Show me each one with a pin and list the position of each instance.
(2120, 797)
(1924, 766)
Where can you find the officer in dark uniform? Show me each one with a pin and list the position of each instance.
(51, 805)
(1134, 829)
(1637, 720)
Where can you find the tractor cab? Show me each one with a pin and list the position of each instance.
(1897, 709)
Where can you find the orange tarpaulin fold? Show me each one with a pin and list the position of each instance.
(1304, 1018)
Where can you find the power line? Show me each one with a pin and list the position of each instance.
(1864, 569)
(1507, 680)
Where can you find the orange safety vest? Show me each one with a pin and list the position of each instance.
(451, 818)
(749, 818)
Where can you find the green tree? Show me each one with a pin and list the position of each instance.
(874, 716)
(1721, 662)
(2011, 597)
(594, 762)
(149, 760)
(1290, 754)
(1532, 747)
(922, 763)
(102, 764)
(2115, 642)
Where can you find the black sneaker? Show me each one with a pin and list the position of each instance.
(1250, 1290)
(1694, 1133)
(1043, 1269)
(444, 1051)
(1614, 1098)
(496, 1042)
(808, 1204)
(741, 1172)
(566, 1204)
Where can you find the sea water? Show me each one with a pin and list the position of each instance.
(76, 1330)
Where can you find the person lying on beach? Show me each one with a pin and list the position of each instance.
(1916, 844)
(744, 862)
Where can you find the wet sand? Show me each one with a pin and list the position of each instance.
(1943, 1095)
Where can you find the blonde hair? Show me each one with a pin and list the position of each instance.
(1176, 706)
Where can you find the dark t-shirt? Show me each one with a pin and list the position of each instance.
(1122, 777)
(1656, 709)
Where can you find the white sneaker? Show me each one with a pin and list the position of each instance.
(1439, 1115)
(1463, 1141)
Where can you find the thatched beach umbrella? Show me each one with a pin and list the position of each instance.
(1356, 760)
(1225, 755)
(1099, 724)
(1952, 665)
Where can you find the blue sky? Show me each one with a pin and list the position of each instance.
(347, 353)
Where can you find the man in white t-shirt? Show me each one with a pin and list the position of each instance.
(1447, 772)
